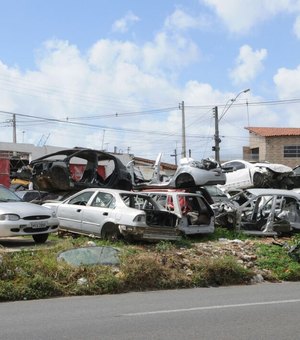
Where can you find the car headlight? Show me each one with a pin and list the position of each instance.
(140, 218)
(9, 217)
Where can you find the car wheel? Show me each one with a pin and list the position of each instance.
(185, 181)
(110, 232)
(40, 238)
(258, 180)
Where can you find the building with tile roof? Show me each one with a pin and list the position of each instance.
(274, 145)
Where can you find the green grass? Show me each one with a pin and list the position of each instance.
(276, 259)
(36, 273)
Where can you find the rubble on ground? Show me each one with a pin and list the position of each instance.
(243, 251)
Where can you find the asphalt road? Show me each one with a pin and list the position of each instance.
(263, 311)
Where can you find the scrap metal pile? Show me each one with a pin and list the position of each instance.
(257, 198)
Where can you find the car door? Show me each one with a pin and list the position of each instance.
(240, 176)
(100, 210)
(70, 212)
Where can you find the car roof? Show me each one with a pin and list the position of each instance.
(113, 191)
(172, 192)
(84, 153)
(264, 191)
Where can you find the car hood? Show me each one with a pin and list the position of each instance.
(275, 167)
(23, 209)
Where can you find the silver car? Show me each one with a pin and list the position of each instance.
(261, 211)
(18, 218)
(111, 214)
(190, 174)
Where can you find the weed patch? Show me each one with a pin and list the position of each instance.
(276, 259)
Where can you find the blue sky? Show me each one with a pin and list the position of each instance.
(112, 74)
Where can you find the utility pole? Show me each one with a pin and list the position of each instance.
(103, 135)
(14, 123)
(183, 152)
(230, 102)
(175, 155)
(216, 148)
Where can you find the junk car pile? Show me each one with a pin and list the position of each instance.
(120, 202)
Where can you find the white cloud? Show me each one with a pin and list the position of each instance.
(122, 25)
(287, 82)
(297, 27)
(249, 64)
(169, 52)
(240, 16)
(180, 21)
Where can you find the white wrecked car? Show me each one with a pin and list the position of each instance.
(111, 214)
(194, 212)
(267, 212)
(241, 174)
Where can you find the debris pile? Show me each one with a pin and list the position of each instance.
(243, 251)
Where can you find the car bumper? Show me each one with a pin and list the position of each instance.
(150, 233)
(22, 228)
(195, 230)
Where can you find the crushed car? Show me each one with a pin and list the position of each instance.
(79, 168)
(190, 174)
(113, 214)
(194, 212)
(18, 218)
(265, 212)
(242, 174)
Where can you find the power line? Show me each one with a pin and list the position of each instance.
(94, 126)
(138, 113)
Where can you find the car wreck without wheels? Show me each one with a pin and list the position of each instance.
(194, 212)
(56, 172)
(266, 212)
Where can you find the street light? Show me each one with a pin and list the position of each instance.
(232, 100)
(227, 106)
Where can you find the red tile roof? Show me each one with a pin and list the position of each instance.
(273, 131)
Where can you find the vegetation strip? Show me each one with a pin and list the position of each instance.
(220, 259)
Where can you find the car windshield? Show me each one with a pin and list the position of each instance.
(214, 191)
(8, 196)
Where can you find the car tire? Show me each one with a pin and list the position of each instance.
(110, 232)
(40, 238)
